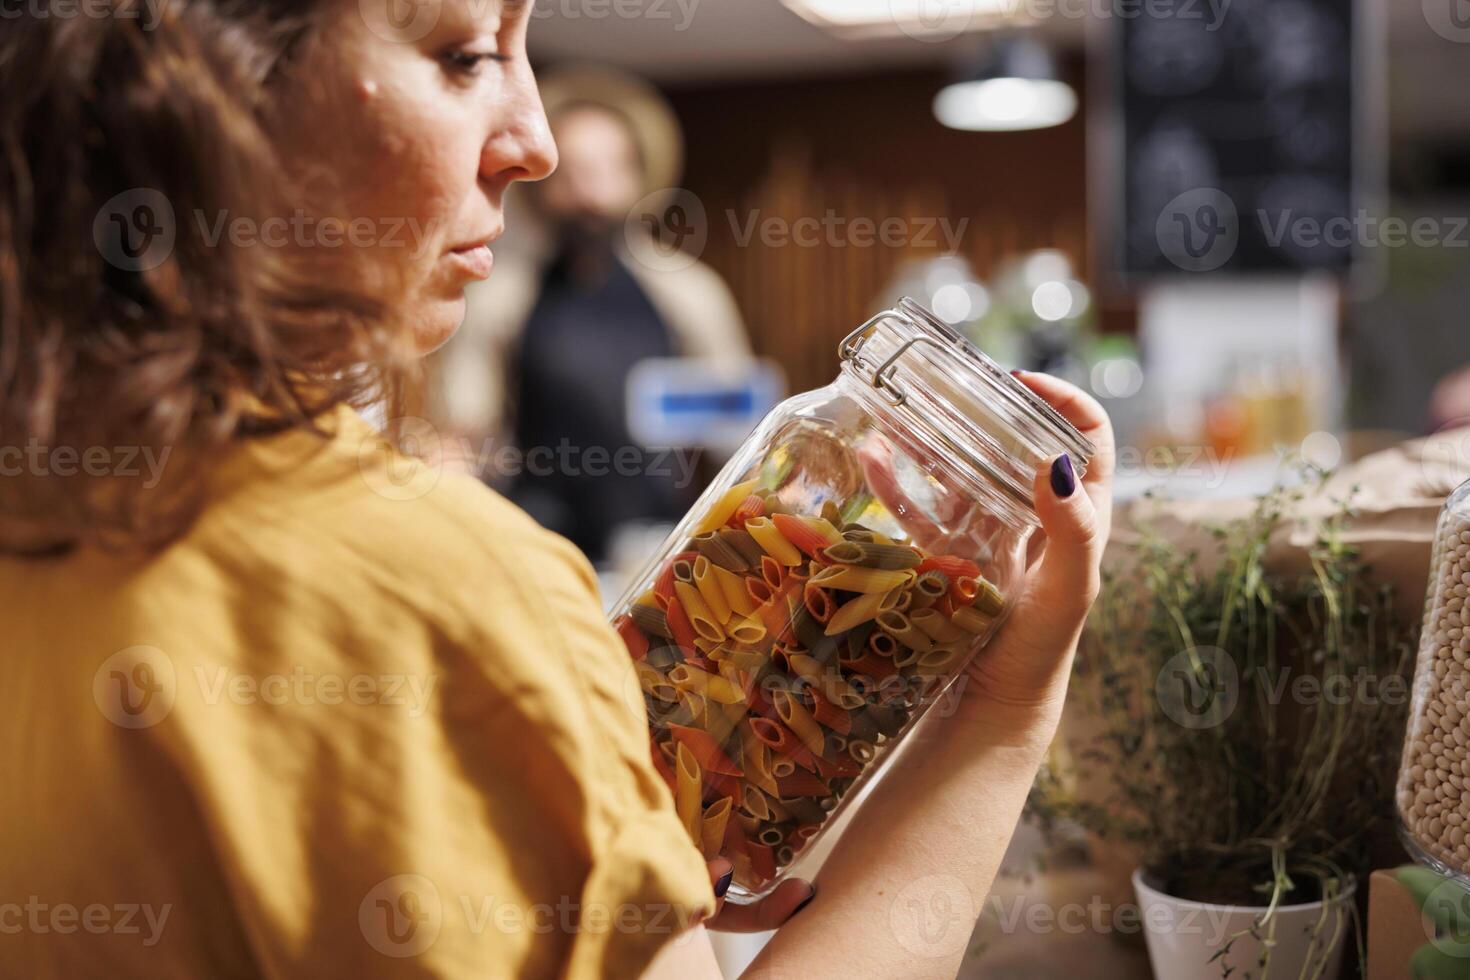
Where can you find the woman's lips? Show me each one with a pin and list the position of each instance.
(476, 261)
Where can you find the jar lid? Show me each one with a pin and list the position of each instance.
(938, 379)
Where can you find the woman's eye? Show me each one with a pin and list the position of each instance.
(470, 62)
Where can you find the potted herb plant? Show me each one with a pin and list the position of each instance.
(1238, 731)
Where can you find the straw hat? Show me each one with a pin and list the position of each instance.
(655, 127)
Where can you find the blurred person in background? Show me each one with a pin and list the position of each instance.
(543, 358)
(1449, 405)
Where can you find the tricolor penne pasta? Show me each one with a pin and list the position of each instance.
(777, 653)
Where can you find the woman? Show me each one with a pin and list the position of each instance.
(290, 704)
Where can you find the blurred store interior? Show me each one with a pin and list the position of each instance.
(818, 183)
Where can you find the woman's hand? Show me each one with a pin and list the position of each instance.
(1019, 681)
(901, 892)
(762, 916)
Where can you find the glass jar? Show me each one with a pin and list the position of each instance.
(1433, 801)
(832, 582)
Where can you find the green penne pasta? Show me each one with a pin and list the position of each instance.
(971, 620)
(869, 554)
(717, 550)
(651, 620)
(740, 540)
(989, 599)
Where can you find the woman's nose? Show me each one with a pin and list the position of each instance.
(523, 149)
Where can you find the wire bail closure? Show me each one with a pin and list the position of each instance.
(882, 379)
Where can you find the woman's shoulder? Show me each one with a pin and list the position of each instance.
(362, 515)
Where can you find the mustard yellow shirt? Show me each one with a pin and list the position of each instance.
(365, 719)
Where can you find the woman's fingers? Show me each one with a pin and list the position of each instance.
(721, 873)
(1089, 418)
(789, 898)
(1029, 662)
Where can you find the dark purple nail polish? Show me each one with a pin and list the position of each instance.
(805, 901)
(1063, 477)
(723, 885)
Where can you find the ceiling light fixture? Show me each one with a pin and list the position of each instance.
(1014, 87)
(916, 18)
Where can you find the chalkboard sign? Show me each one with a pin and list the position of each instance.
(1237, 137)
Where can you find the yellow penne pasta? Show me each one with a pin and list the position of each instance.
(710, 590)
(851, 578)
(723, 508)
(748, 630)
(711, 686)
(700, 617)
(753, 802)
(773, 542)
(755, 758)
(898, 626)
(749, 660)
(737, 596)
(858, 610)
(687, 791)
(781, 765)
(829, 684)
(712, 827)
(935, 626)
(939, 658)
(799, 720)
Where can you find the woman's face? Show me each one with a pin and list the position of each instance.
(422, 115)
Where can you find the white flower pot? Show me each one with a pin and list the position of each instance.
(1183, 936)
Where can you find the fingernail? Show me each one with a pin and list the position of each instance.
(1016, 372)
(1063, 477)
(806, 901)
(723, 885)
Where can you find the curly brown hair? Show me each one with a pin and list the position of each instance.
(110, 125)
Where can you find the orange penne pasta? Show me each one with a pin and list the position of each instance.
(818, 602)
(633, 638)
(762, 861)
(773, 573)
(810, 535)
(750, 508)
(772, 541)
(802, 783)
(680, 626)
(830, 716)
(704, 750)
(952, 566)
(724, 508)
